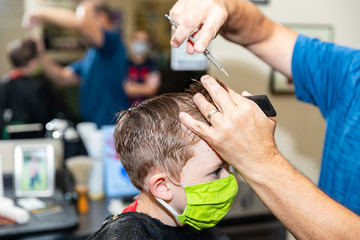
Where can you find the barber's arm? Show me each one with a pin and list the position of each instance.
(59, 75)
(244, 137)
(239, 21)
(83, 21)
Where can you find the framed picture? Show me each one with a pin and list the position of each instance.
(34, 170)
(279, 83)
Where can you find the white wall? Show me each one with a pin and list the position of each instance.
(300, 130)
(10, 28)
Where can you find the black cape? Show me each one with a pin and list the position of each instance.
(136, 226)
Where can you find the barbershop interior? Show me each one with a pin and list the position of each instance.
(63, 135)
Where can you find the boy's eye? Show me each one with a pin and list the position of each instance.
(216, 173)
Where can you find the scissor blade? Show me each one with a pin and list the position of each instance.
(211, 59)
(206, 53)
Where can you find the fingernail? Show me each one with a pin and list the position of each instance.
(174, 44)
(204, 77)
(196, 95)
(181, 115)
(245, 93)
(199, 47)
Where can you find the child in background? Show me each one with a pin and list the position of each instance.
(26, 96)
(185, 187)
(143, 77)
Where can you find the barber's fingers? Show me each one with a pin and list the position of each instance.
(246, 94)
(190, 47)
(190, 44)
(30, 20)
(26, 21)
(219, 95)
(208, 110)
(199, 128)
(40, 46)
(235, 97)
(210, 29)
(204, 15)
(187, 17)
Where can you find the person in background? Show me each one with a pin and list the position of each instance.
(325, 74)
(101, 71)
(143, 79)
(185, 187)
(34, 172)
(26, 95)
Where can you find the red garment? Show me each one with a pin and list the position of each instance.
(16, 73)
(131, 207)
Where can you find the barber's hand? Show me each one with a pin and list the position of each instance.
(205, 15)
(240, 132)
(32, 19)
(40, 46)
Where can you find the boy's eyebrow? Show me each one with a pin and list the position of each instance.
(212, 165)
(220, 164)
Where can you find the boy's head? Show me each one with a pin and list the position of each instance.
(98, 9)
(172, 166)
(150, 136)
(140, 43)
(22, 53)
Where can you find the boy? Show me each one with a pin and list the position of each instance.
(185, 187)
(143, 78)
(25, 94)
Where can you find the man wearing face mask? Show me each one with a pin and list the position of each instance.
(101, 71)
(143, 78)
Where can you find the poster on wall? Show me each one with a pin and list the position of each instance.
(117, 181)
(281, 84)
(182, 61)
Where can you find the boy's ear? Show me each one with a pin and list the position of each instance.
(158, 186)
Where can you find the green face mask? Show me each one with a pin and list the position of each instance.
(207, 203)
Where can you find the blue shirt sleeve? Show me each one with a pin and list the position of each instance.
(77, 66)
(111, 42)
(321, 73)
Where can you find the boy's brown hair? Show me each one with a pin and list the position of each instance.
(20, 52)
(151, 134)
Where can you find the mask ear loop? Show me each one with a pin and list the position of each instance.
(174, 182)
(165, 204)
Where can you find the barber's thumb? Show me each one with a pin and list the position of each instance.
(245, 93)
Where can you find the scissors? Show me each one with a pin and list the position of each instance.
(206, 53)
